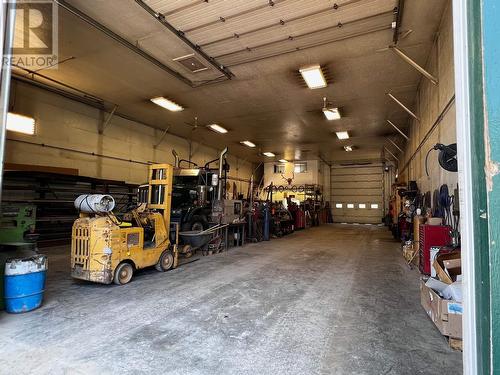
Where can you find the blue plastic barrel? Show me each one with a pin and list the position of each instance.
(24, 283)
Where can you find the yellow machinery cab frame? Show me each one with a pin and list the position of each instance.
(104, 251)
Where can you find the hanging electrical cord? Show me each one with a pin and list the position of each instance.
(436, 208)
(445, 203)
(426, 160)
(447, 157)
(442, 203)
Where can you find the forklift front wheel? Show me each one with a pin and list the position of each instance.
(123, 273)
(165, 262)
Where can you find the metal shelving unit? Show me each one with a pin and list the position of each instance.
(53, 195)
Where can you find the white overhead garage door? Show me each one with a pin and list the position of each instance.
(357, 194)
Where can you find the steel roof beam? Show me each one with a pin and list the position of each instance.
(395, 145)
(389, 151)
(407, 59)
(398, 129)
(410, 112)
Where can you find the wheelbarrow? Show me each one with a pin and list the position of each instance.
(209, 241)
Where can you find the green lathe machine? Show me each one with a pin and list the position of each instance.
(17, 223)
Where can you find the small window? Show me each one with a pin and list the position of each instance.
(362, 205)
(279, 168)
(374, 205)
(300, 167)
(350, 205)
(338, 205)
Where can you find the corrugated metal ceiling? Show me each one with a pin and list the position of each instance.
(222, 27)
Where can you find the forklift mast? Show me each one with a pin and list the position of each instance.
(160, 181)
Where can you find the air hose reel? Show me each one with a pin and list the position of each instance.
(447, 157)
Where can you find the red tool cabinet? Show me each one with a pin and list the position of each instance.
(431, 235)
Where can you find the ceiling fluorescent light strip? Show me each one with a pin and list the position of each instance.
(217, 128)
(167, 104)
(313, 76)
(248, 143)
(331, 113)
(342, 135)
(20, 124)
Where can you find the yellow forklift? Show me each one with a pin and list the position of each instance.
(105, 249)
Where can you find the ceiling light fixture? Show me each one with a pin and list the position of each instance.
(342, 135)
(167, 104)
(248, 143)
(20, 124)
(283, 161)
(313, 75)
(269, 154)
(348, 148)
(331, 113)
(218, 128)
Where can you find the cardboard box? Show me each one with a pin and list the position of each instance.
(446, 314)
(448, 272)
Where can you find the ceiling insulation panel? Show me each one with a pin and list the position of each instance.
(175, 6)
(210, 14)
(306, 26)
(250, 24)
(214, 9)
(319, 38)
(296, 16)
(130, 21)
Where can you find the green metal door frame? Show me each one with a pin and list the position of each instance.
(477, 83)
(490, 12)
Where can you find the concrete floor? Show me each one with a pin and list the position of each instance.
(336, 299)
